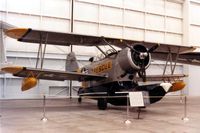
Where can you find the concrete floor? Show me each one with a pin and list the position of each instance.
(65, 116)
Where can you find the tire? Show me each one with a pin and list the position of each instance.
(102, 103)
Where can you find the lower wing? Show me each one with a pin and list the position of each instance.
(32, 74)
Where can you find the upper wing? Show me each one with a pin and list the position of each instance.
(50, 74)
(65, 39)
(55, 38)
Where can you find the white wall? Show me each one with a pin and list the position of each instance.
(145, 20)
(194, 34)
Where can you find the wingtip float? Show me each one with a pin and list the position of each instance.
(27, 83)
(177, 86)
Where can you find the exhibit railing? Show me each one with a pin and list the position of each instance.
(183, 101)
(128, 118)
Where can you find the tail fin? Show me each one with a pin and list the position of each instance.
(71, 62)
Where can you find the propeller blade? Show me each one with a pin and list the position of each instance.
(153, 48)
(132, 48)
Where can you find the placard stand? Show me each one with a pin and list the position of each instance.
(139, 110)
(127, 121)
(135, 99)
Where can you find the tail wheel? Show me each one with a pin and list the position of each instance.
(102, 103)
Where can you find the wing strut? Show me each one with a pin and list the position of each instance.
(170, 60)
(112, 50)
(41, 51)
(101, 51)
(106, 42)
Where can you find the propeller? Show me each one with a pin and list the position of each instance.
(141, 57)
(153, 48)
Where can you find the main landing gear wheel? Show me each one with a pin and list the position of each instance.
(102, 103)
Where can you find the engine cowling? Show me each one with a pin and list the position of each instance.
(132, 60)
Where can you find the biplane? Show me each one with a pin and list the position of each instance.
(116, 73)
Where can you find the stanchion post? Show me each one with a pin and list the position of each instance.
(181, 96)
(185, 118)
(127, 112)
(44, 118)
(0, 109)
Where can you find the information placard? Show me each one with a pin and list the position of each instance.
(136, 99)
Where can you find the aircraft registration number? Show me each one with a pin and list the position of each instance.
(103, 67)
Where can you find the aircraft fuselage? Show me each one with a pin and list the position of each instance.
(121, 69)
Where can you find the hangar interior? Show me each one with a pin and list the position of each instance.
(161, 21)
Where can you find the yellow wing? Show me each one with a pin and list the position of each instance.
(32, 74)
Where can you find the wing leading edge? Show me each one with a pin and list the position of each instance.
(48, 74)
